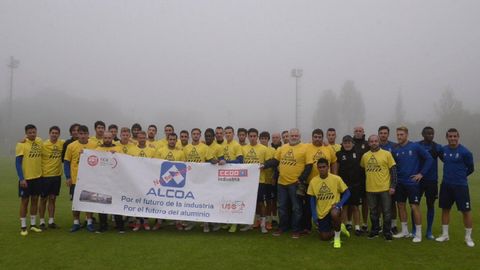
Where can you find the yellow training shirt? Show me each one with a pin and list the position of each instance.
(256, 154)
(74, 150)
(336, 147)
(292, 162)
(232, 150)
(32, 158)
(170, 155)
(94, 139)
(377, 170)
(128, 149)
(197, 153)
(146, 152)
(327, 192)
(52, 158)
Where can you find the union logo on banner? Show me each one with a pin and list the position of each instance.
(173, 174)
(92, 160)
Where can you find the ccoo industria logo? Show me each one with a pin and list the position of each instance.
(173, 174)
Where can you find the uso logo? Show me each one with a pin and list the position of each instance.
(233, 173)
(92, 160)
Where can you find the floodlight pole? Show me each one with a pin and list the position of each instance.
(297, 74)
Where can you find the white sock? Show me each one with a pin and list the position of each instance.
(394, 223)
(364, 225)
(445, 230)
(349, 222)
(337, 235)
(468, 233)
(33, 220)
(404, 227)
(42, 221)
(76, 222)
(357, 227)
(50, 220)
(262, 221)
(418, 231)
(23, 222)
(89, 221)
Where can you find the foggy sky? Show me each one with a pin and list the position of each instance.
(207, 63)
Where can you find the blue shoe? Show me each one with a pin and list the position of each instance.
(430, 236)
(75, 227)
(90, 228)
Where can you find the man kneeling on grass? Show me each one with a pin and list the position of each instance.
(328, 194)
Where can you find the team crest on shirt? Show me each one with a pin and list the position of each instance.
(372, 165)
(289, 159)
(344, 157)
(325, 193)
(35, 151)
(354, 155)
(251, 157)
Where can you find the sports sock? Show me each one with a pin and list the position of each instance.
(394, 223)
(430, 216)
(42, 221)
(418, 230)
(468, 233)
(89, 221)
(262, 221)
(33, 220)
(357, 227)
(76, 222)
(337, 235)
(50, 220)
(349, 222)
(23, 222)
(404, 227)
(445, 230)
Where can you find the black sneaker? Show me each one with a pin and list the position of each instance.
(372, 235)
(388, 237)
(394, 230)
(349, 227)
(364, 228)
(42, 226)
(53, 226)
(358, 232)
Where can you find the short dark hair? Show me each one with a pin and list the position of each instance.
(427, 128)
(209, 130)
(172, 134)
(244, 130)
(141, 132)
(253, 130)
(264, 134)
(384, 127)
(450, 130)
(83, 128)
(54, 128)
(99, 123)
(170, 126)
(322, 161)
(229, 127)
(285, 131)
(317, 131)
(219, 128)
(73, 126)
(136, 126)
(193, 129)
(154, 126)
(331, 129)
(185, 131)
(29, 126)
(113, 126)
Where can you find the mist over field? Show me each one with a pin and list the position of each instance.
(216, 63)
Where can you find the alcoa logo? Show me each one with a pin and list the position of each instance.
(173, 174)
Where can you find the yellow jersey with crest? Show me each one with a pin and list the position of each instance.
(32, 158)
(292, 161)
(377, 170)
(52, 158)
(128, 149)
(216, 150)
(95, 140)
(170, 154)
(256, 154)
(146, 152)
(74, 150)
(327, 192)
(197, 153)
(314, 153)
(231, 150)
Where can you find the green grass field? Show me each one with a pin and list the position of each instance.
(59, 249)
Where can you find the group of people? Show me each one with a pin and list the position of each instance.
(334, 186)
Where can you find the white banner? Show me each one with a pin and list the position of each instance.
(143, 187)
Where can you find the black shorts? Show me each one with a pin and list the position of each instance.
(72, 191)
(34, 188)
(325, 224)
(51, 186)
(355, 195)
(458, 194)
(410, 192)
(430, 189)
(263, 192)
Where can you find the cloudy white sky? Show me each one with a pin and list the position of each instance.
(228, 62)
